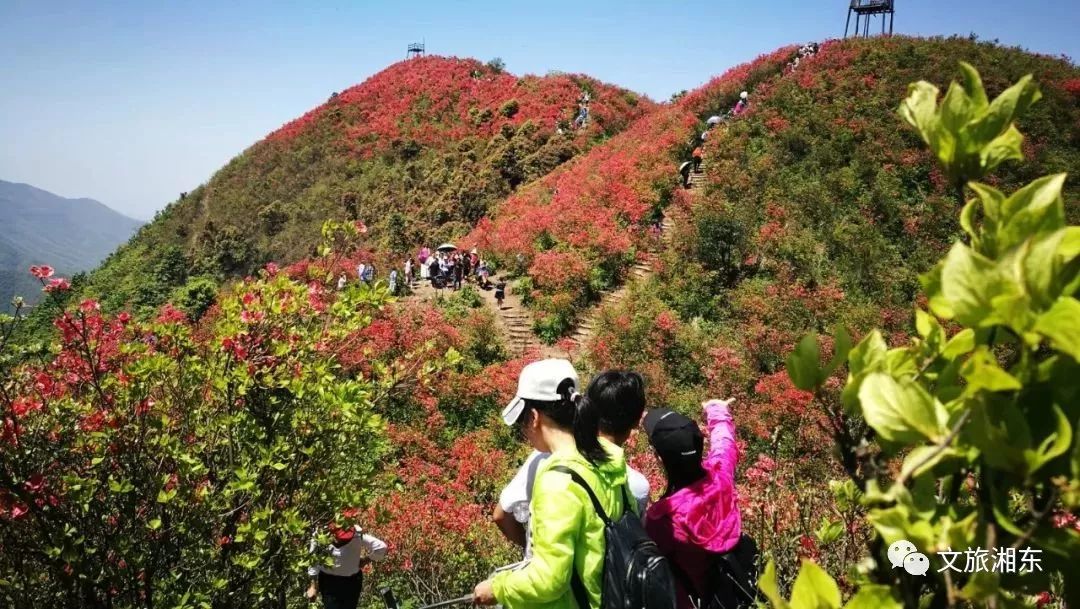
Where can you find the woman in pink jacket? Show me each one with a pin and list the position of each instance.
(696, 524)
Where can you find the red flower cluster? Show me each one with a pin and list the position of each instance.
(434, 100)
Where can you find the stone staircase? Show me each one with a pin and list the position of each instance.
(641, 271)
(516, 322)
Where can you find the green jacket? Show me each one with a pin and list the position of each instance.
(566, 533)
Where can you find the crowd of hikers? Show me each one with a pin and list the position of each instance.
(806, 51)
(583, 518)
(445, 267)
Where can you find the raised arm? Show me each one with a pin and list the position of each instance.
(723, 453)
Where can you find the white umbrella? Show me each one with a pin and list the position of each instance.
(447, 247)
(713, 120)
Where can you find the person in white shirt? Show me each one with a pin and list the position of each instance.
(619, 399)
(340, 583)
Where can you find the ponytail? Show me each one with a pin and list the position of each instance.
(587, 428)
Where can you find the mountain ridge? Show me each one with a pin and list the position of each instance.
(70, 234)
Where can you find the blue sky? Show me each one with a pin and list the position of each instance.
(132, 102)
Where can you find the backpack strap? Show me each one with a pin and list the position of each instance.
(581, 595)
(576, 477)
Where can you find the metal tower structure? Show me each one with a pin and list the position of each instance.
(864, 11)
(415, 49)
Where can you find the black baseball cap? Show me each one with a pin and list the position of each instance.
(674, 436)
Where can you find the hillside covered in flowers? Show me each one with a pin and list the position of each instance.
(419, 151)
(210, 395)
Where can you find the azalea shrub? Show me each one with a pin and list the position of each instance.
(980, 404)
(165, 461)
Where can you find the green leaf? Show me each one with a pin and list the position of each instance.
(1005, 147)
(960, 344)
(767, 584)
(1042, 267)
(922, 459)
(1061, 325)
(1036, 208)
(841, 349)
(829, 531)
(154, 524)
(1000, 432)
(973, 86)
(919, 109)
(814, 589)
(900, 411)
(804, 364)
(869, 354)
(967, 285)
(983, 374)
(874, 596)
(1055, 445)
(1000, 114)
(931, 284)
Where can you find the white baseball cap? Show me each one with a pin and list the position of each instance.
(539, 381)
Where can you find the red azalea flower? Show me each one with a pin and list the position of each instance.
(89, 306)
(360, 227)
(57, 284)
(41, 272)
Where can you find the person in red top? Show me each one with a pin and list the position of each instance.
(697, 154)
(698, 518)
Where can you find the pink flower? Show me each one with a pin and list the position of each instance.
(89, 306)
(57, 284)
(123, 317)
(171, 315)
(360, 227)
(41, 272)
(271, 269)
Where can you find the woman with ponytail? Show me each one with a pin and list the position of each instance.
(567, 534)
(607, 415)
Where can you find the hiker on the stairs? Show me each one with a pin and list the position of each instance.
(684, 171)
(409, 279)
(696, 155)
(742, 104)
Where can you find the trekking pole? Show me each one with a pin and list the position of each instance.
(454, 601)
(391, 602)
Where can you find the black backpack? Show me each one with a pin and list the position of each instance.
(731, 578)
(636, 575)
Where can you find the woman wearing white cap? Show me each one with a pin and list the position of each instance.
(567, 533)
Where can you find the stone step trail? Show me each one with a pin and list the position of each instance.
(640, 271)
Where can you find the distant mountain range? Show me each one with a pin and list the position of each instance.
(38, 227)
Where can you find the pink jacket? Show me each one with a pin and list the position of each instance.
(703, 518)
